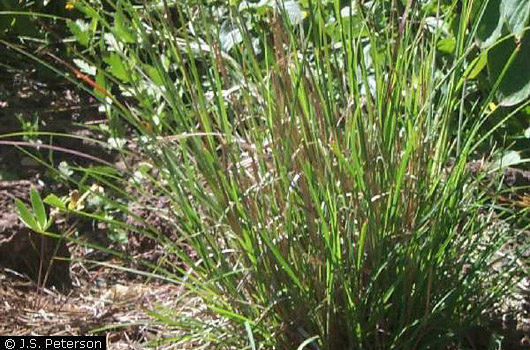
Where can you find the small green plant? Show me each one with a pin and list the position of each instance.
(30, 127)
(36, 219)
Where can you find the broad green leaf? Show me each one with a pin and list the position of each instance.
(87, 10)
(506, 159)
(514, 87)
(498, 13)
(117, 68)
(516, 14)
(38, 209)
(490, 25)
(122, 28)
(54, 201)
(80, 29)
(447, 45)
(25, 215)
(154, 74)
(476, 66)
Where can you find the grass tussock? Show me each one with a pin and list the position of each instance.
(320, 181)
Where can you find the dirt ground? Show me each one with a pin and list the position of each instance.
(93, 307)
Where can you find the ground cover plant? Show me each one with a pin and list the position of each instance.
(314, 157)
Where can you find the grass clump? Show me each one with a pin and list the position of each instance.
(315, 159)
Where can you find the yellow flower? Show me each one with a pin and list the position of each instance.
(70, 5)
(492, 106)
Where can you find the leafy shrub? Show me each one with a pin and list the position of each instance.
(503, 17)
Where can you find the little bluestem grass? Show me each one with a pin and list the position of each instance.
(319, 178)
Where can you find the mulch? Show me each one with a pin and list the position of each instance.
(118, 311)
